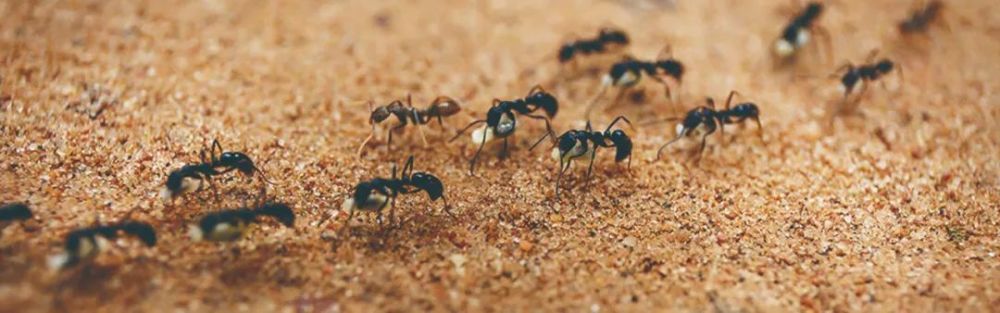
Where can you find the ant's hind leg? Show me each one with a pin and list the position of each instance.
(365, 142)
(504, 152)
(590, 167)
(475, 158)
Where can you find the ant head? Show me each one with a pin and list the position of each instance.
(379, 114)
(432, 185)
(240, 161)
(566, 53)
(447, 108)
(884, 66)
(623, 144)
(545, 100)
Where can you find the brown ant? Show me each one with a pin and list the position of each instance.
(214, 161)
(706, 116)
(798, 32)
(626, 73)
(439, 108)
(501, 120)
(85, 243)
(575, 144)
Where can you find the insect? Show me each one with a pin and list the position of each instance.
(14, 212)
(85, 243)
(574, 144)
(921, 19)
(607, 39)
(501, 119)
(438, 109)
(191, 177)
(380, 193)
(798, 32)
(628, 72)
(230, 225)
(864, 74)
(708, 118)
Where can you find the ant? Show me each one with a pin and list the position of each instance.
(711, 119)
(14, 212)
(230, 225)
(798, 32)
(189, 178)
(628, 72)
(439, 108)
(575, 144)
(864, 74)
(85, 243)
(501, 121)
(607, 39)
(379, 193)
(921, 19)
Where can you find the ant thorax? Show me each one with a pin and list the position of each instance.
(374, 202)
(487, 134)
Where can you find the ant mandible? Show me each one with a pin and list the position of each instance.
(628, 72)
(575, 144)
(710, 119)
(501, 120)
(438, 109)
(379, 193)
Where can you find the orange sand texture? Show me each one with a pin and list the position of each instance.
(892, 209)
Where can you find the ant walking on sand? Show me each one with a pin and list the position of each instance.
(380, 193)
(85, 243)
(214, 161)
(230, 225)
(439, 108)
(574, 144)
(921, 19)
(863, 75)
(628, 72)
(501, 120)
(608, 39)
(798, 32)
(707, 120)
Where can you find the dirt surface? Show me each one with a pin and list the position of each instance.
(892, 209)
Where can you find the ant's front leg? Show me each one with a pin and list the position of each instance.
(475, 158)
(590, 168)
(503, 151)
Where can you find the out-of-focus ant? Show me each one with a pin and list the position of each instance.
(214, 161)
(501, 119)
(85, 243)
(799, 31)
(921, 19)
(438, 109)
(628, 72)
(574, 144)
(864, 74)
(705, 119)
(230, 225)
(378, 194)
(14, 212)
(607, 39)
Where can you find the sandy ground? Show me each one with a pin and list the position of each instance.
(892, 210)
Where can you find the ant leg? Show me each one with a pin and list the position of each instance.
(562, 169)
(463, 130)
(593, 102)
(365, 142)
(548, 126)
(447, 207)
(388, 145)
(392, 211)
(472, 164)
(347, 223)
(618, 97)
(701, 150)
(760, 129)
(660, 151)
(827, 43)
(419, 129)
(503, 152)
(590, 167)
(546, 135)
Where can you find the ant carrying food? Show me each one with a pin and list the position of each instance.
(921, 19)
(190, 177)
(438, 109)
(501, 120)
(607, 39)
(863, 75)
(85, 243)
(14, 212)
(628, 72)
(574, 144)
(798, 32)
(230, 225)
(709, 119)
(380, 193)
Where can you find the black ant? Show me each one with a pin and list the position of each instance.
(379, 193)
(85, 243)
(439, 108)
(575, 144)
(864, 74)
(14, 212)
(230, 225)
(798, 32)
(921, 19)
(711, 119)
(501, 121)
(189, 178)
(607, 39)
(628, 72)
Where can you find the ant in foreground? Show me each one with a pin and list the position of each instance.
(190, 177)
(14, 212)
(607, 39)
(85, 243)
(501, 121)
(628, 72)
(230, 225)
(380, 193)
(439, 108)
(575, 144)
(708, 118)
(863, 74)
(921, 19)
(798, 32)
